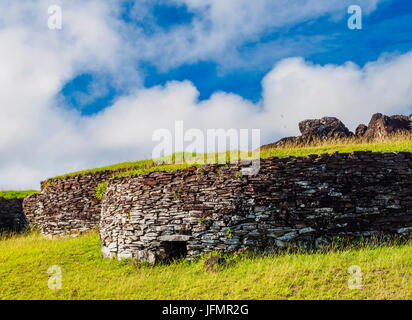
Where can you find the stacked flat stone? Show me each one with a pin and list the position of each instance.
(291, 202)
(67, 205)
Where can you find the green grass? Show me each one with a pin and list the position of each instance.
(101, 190)
(400, 143)
(17, 194)
(25, 259)
(115, 167)
(165, 167)
(390, 146)
(403, 144)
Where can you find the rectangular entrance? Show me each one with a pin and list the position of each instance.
(174, 250)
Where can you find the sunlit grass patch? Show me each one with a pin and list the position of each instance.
(401, 142)
(17, 194)
(25, 259)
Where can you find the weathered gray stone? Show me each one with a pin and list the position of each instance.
(350, 195)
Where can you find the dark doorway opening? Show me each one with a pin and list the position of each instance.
(174, 250)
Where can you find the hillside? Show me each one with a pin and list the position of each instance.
(386, 273)
(397, 143)
(326, 135)
(386, 267)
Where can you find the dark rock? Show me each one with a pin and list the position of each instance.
(11, 215)
(360, 130)
(327, 127)
(382, 126)
(212, 263)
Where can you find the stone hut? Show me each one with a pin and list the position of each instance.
(291, 202)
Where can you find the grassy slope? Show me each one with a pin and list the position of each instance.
(119, 166)
(17, 194)
(24, 262)
(135, 168)
(389, 146)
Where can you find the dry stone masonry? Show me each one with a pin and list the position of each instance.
(11, 215)
(292, 201)
(67, 205)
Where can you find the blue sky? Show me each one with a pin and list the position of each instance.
(386, 30)
(94, 92)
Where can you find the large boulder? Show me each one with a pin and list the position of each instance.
(382, 126)
(327, 127)
(360, 130)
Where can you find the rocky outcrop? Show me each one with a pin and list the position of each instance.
(11, 215)
(327, 127)
(293, 201)
(382, 126)
(360, 130)
(379, 127)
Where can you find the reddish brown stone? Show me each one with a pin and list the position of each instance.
(382, 126)
(360, 130)
(327, 127)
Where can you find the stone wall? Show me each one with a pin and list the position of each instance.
(66, 205)
(292, 201)
(11, 215)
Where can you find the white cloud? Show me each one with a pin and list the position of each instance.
(296, 90)
(220, 27)
(293, 91)
(40, 138)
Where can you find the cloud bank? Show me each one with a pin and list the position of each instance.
(220, 27)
